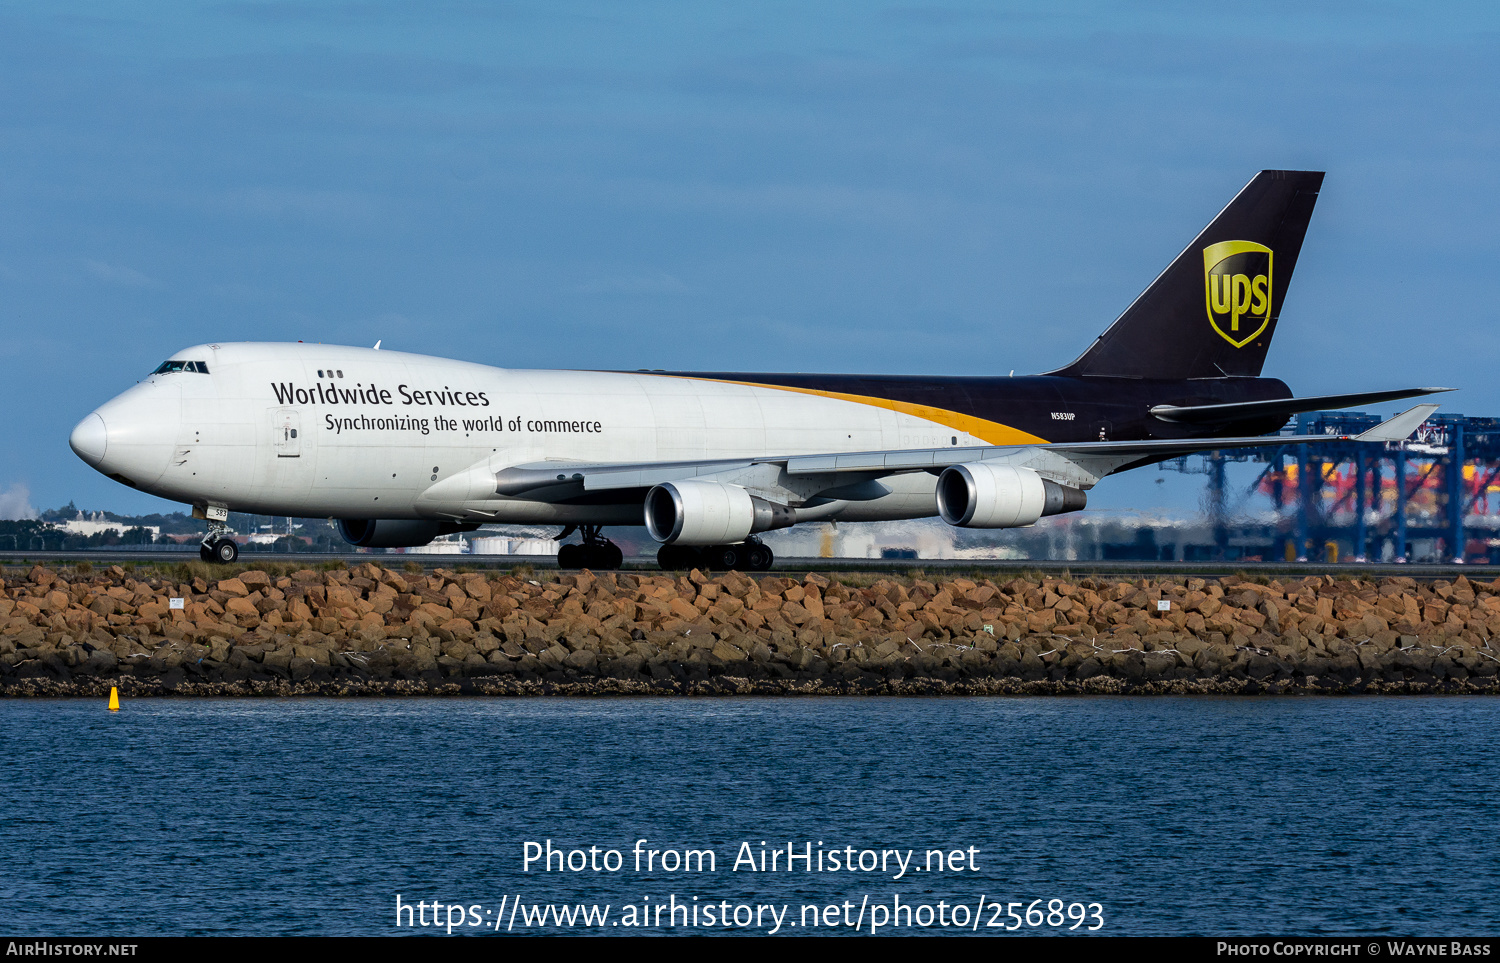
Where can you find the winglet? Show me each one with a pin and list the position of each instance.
(1400, 427)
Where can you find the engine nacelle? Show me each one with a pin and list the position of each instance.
(1001, 496)
(396, 532)
(710, 513)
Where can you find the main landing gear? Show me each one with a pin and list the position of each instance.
(749, 555)
(218, 547)
(596, 552)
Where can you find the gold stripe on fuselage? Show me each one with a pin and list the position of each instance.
(991, 432)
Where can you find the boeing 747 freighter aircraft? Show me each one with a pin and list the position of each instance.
(402, 448)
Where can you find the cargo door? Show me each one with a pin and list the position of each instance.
(678, 412)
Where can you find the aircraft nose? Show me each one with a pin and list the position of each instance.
(90, 439)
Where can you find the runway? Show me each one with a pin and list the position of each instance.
(989, 568)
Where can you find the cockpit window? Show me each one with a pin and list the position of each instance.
(167, 367)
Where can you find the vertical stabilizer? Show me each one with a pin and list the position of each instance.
(1212, 312)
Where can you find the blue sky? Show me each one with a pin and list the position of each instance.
(923, 188)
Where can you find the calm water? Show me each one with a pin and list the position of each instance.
(1263, 815)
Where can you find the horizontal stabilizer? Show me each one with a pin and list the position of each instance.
(1400, 427)
(1281, 407)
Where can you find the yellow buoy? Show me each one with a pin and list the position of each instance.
(114, 699)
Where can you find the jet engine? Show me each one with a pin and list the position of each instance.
(710, 513)
(1001, 496)
(396, 532)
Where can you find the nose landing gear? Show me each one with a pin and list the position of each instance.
(218, 547)
(596, 552)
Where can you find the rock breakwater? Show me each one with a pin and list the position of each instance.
(368, 630)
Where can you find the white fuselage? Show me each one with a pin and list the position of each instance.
(321, 430)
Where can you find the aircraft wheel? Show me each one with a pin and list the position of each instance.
(568, 556)
(725, 557)
(674, 558)
(225, 550)
(206, 553)
(601, 556)
(759, 558)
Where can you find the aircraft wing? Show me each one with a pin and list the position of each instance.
(854, 476)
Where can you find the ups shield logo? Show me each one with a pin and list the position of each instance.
(1237, 278)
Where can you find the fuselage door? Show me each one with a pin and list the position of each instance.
(286, 425)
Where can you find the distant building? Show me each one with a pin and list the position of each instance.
(914, 538)
(445, 545)
(96, 524)
(500, 545)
